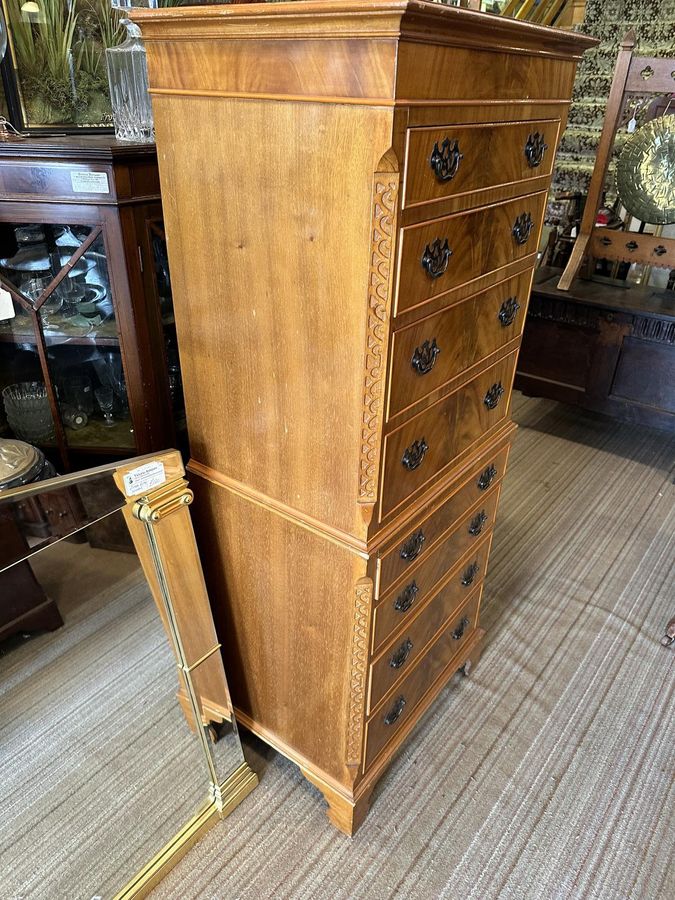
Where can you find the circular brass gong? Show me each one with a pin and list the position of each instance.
(645, 172)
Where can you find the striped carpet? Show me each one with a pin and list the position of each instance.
(548, 773)
(98, 769)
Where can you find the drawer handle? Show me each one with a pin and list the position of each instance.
(486, 478)
(461, 628)
(470, 573)
(522, 228)
(508, 312)
(407, 597)
(445, 160)
(477, 523)
(424, 357)
(436, 257)
(400, 655)
(413, 546)
(535, 147)
(413, 457)
(494, 395)
(395, 711)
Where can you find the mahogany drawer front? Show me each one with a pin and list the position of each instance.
(420, 538)
(426, 444)
(432, 351)
(453, 250)
(399, 656)
(403, 601)
(458, 159)
(383, 724)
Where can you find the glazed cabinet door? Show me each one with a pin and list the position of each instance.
(67, 363)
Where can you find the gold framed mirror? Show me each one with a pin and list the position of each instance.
(119, 745)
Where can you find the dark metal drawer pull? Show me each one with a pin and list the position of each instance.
(494, 395)
(424, 357)
(461, 628)
(414, 455)
(445, 159)
(508, 311)
(535, 147)
(407, 597)
(486, 478)
(395, 711)
(436, 257)
(522, 228)
(477, 523)
(470, 573)
(413, 546)
(400, 655)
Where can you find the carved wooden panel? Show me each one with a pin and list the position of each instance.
(379, 302)
(633, 247)
(359, 669)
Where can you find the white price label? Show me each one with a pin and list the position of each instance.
(90, 182)
(7, 310)
(144, 478)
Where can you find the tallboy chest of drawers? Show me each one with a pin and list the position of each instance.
(353, 197)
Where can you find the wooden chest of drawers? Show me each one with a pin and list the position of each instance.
(353, 198)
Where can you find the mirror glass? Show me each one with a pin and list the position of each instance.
(100, 765)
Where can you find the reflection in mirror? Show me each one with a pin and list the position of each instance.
(98, 769)
(102, 669)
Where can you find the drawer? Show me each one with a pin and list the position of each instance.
(384, 724)
(428, 443)
(457, 159)
(399, 656)
(419, 539)
(453, 250)
(432, 351)
(405, 599)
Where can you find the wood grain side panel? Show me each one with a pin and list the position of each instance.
(271, 304)
(284, 607)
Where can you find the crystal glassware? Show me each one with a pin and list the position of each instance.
(28, 412)
(71, 293)
(77, 393)
(128, 80)
(104, 396)
(34, 288)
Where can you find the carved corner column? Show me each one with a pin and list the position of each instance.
(380, 281)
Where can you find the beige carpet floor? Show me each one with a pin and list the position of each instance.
(548, 773)
(98, 769)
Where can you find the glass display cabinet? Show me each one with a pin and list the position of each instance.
(88, 356)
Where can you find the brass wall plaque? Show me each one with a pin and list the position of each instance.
(645, 172)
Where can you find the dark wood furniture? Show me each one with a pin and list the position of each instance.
(24, 606)
(82, 214)
(354, 193)
(601, 347)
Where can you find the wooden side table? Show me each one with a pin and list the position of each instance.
(602, 347)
